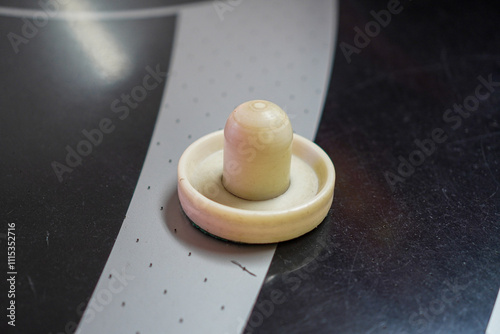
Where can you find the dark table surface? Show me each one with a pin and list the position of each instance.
(412, 241)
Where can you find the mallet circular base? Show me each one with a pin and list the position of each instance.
(215, 210)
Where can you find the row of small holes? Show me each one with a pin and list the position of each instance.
(181, 320)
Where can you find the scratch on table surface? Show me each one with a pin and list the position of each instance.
(496, 190)
(244, 268)
(353, 263)
(32, 285)
(488, 165)
(444, 191)
(47, 238)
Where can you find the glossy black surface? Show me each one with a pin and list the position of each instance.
(62, 82)
(422, 257)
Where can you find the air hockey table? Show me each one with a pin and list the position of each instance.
(99, 100)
